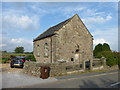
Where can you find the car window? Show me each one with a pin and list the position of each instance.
(17, 59)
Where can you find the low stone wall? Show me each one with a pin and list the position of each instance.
(63, 68)
(115, 67)
(56, 69)
(98, 68)
(33, 68)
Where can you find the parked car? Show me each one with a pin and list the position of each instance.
(17, 62)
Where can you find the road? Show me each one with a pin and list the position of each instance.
(85, 80)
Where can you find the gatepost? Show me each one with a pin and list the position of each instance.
(91, 64)
(103, 59)
(84, 65)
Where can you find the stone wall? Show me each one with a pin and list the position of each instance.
(63, 68)
(57, 69)
(39, 47)
(73, 43)
(33, 68)
(99, 63)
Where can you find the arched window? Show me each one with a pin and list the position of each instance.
(38, 50)
(46, 49)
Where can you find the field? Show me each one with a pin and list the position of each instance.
(6, 57)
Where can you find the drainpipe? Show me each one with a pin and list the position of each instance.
(51, 49)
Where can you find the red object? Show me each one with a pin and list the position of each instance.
(23, 60)
(44, 72)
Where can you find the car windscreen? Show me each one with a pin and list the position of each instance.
(17, 59)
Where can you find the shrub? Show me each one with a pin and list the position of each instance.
(111, 58)
(3, 61)
(31, 57)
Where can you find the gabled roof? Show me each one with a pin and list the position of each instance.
(50, 31)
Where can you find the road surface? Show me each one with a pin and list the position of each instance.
(107, 79)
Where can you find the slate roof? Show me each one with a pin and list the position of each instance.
(50, 31)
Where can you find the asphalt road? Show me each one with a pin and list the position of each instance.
(85, 80)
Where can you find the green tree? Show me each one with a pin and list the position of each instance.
(111, 58)
(19, 50)
(106, 47)
(98, 48)
(4, 51)
(117, 56)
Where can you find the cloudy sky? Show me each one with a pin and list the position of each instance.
(22, 22)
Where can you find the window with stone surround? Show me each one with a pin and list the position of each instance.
(46, 49)
(38, 50)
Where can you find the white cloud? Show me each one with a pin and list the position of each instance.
(20, 22)
(12, 43)
(72, 9)
(101, 40)
(20, 41)
(92, 12)
(24, 22)
(96, 19)
(3, 45)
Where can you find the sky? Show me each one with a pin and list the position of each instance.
(24, 21)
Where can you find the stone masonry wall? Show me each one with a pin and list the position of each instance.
(33, 68)
(71, 37)
(42, 58)
(57, 69)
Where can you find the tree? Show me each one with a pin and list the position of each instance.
(98, 48)
(106, 47)
(117, 54)
(19, 50)
(112, 58)
(4, 51)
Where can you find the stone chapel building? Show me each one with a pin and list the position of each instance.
(68, 42)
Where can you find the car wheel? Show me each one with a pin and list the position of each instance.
(22, 66)
(12, 66)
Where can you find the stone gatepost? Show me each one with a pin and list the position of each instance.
(103, 60)
(83, 66)
(91, 65)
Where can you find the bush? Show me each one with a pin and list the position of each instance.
(111, 58)
(4, 60)
(31, 57)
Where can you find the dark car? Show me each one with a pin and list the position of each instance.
(17, 62)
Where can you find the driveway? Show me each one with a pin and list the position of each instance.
(19, 79)
(14, 77)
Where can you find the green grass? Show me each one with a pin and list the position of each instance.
(17, 54)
